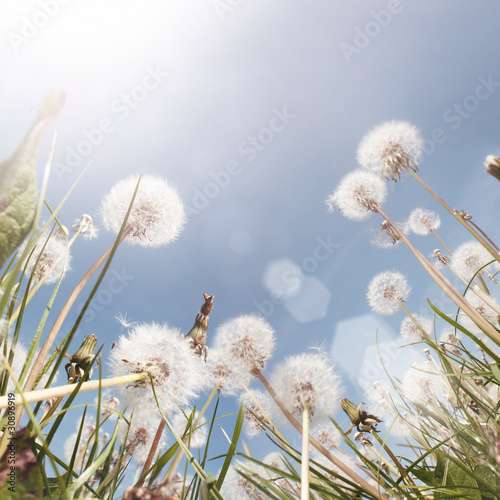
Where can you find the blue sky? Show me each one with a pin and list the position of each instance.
(254, 111)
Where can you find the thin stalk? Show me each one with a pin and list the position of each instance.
(304, 468)
(349, 472)
(44, 351)
(178, 456)
(152, 451)
(397, 463)
(441, 241)
(64, 390)
(487, 244)
(485, 235)
(445, 285)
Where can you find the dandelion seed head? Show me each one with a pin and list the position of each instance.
(85, 226)
(450, 339)
(389, 148)
(469, 257)
(386, 291)
(257, 409)
(358, 194)
(307, 380)
(246, 340)
(177, 373)
(410, 331)
(236, 487)
(69, 445)
(50, 258)
(423, 383)
(228, 375)
(423, 222)
(157, 216)
(486, 305)
(327, 435)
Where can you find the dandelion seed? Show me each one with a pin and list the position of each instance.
(386, 291)
(85, 227)
(423, 222)
(257, 408)
(176, 371)
(124, 321)
(247, 340)
(307, 380)
(391, 148)
(469, 257)
(157, 216)
(358, 195)
(411, 332)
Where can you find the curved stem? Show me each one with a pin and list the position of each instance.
(304, 467)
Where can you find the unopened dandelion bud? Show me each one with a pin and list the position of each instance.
(198, 333)
(82, 360)
(361, 419)
(492, 164)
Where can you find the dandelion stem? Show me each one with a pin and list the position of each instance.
(349, 472)
(44, 351)
(152, 451)
(441, 241)
(489, 245)
(64, 390)
(446, 286)
(304, 469)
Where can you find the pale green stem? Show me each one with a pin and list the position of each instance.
(304, 469)
(178, 456)
(44, 351)
(344, 468)
(40, 282)
(64, 390)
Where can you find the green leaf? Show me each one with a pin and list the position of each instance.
(457, 480)
(20, 474)
(18, 189)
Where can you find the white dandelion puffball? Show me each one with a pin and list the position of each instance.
(157, 216)
(85, 226)
(423, 222)
(469, 257)
(358, 194)
(486, 305)
(386, 291)
(51, 257)
(257, 408)
(424, 383)
(327, 436)
(389, 143)
(246, 340)
(307, 380)
(177, 372)
(224, 373)
(141, 433)
(410, 332)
